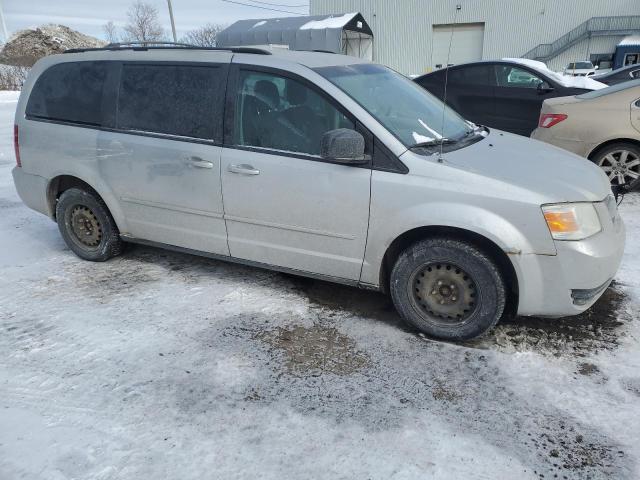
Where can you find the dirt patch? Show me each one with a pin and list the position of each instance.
(312, 351)
(588, 369)
(569, 452)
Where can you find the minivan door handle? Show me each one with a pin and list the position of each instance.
(197, 162)
(244, 169)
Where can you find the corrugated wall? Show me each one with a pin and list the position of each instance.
(402, 28)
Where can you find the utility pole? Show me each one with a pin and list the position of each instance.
(173, 24)
(4, 25)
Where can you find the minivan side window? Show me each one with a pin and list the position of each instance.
(69, 92)
(181, 100)
(280, 113)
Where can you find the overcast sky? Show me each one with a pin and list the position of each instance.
(88, 16)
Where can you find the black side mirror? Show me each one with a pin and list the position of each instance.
(544, 87)
(343, 145)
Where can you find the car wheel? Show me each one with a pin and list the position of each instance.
(87, 226)
(620, 161)
(448, 289)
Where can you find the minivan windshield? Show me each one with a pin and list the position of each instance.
(408, 111)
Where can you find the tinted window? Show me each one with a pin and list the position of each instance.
(509, 76)
(171, 99)
(70, 92)
(474, 75)
(283, 114)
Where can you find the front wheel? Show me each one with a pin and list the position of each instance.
(448, 289)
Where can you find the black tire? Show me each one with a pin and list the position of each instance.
(471, 313)
(87, 226)
(610, 160)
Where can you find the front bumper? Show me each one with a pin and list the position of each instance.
(571, 281)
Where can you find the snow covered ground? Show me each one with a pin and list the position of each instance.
(158, 365)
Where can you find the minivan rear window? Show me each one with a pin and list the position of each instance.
(181, 100)
(69, 92)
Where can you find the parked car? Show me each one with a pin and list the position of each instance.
(603, 126)
(315, 164)
(505, 94)
(580, 69)
(620, 75)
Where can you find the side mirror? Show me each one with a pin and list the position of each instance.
(544, 87)
(343, 145)
(596, 67)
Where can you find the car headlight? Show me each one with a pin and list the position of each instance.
(571, 221)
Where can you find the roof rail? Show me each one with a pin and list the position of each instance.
(154, 45)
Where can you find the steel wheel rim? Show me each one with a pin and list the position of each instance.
(443, 293)
(85, 226)
(621, 166)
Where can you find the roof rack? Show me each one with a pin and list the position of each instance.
(161, 45)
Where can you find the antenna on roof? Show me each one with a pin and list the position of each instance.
(446, 80)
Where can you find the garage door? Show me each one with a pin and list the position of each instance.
(466, 43)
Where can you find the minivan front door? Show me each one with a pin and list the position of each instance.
(163, 159)
(284, 205)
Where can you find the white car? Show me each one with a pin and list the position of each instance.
(580, 69)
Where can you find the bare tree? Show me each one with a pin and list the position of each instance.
(110, 32)
(204, 36)
(142, 23)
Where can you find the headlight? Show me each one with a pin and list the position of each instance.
(571, 221)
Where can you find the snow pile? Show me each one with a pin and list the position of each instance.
(331, 22)
(26, 47)
(564, 80)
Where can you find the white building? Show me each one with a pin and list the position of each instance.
(415, 36)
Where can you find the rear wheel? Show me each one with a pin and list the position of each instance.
(448, 289)
(620, 161)
(87, 226)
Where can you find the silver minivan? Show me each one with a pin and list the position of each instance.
(315, 164)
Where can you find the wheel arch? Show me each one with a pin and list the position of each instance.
(489, 247)
(60, 183)
(613, 141)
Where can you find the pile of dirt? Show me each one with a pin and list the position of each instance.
(26, 47)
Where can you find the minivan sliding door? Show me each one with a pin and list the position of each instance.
(163, 158)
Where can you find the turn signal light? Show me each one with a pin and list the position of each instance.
(548, 120)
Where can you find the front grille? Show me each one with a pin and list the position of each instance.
(584, 296)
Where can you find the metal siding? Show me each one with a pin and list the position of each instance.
(403, 28)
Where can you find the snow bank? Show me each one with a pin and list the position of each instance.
(9, 96)
(564, 80)
(331, 22)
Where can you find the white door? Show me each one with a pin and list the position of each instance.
(466, 41)
(283, 204)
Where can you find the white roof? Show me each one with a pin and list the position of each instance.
(331, 22)
(630, 40)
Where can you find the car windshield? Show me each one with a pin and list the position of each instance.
(408, 111)
(580, 66)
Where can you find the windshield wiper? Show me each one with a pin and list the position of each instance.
(433, 143)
